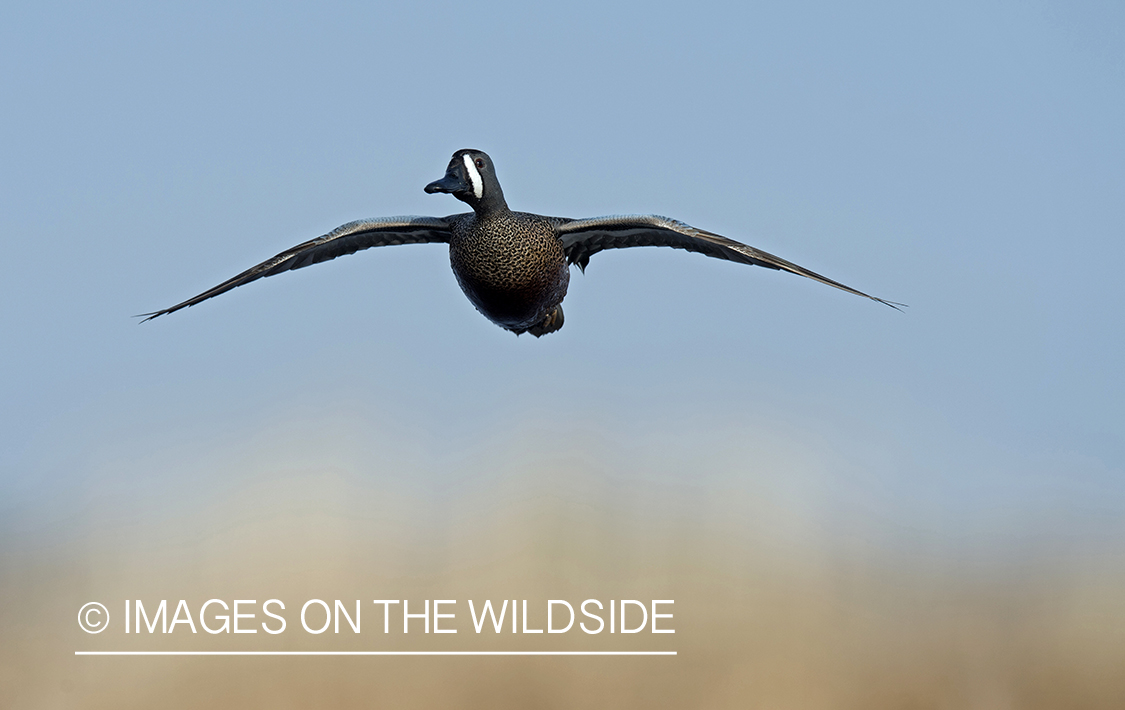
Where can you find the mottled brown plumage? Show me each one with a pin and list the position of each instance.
(512, 267)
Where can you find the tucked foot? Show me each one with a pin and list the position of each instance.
(550, 324)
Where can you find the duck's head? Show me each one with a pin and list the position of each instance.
(471, 178)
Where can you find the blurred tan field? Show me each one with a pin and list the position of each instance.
(772, 609)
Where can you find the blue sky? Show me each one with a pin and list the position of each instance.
(964, 158)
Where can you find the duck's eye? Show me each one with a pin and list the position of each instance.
(479, 162)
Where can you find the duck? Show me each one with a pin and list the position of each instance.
(514, 267)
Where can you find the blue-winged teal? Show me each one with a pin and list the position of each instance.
(513, 266)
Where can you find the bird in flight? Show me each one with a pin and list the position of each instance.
(513, 266)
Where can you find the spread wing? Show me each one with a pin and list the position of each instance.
(582, 238)
(346, 239)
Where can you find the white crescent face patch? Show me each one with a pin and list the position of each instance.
(474, 176)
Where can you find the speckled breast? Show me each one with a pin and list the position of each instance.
(510, 266)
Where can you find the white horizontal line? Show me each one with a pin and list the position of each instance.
(374, 653)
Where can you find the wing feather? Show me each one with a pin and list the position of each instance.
(344, 240)
(582, 238)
